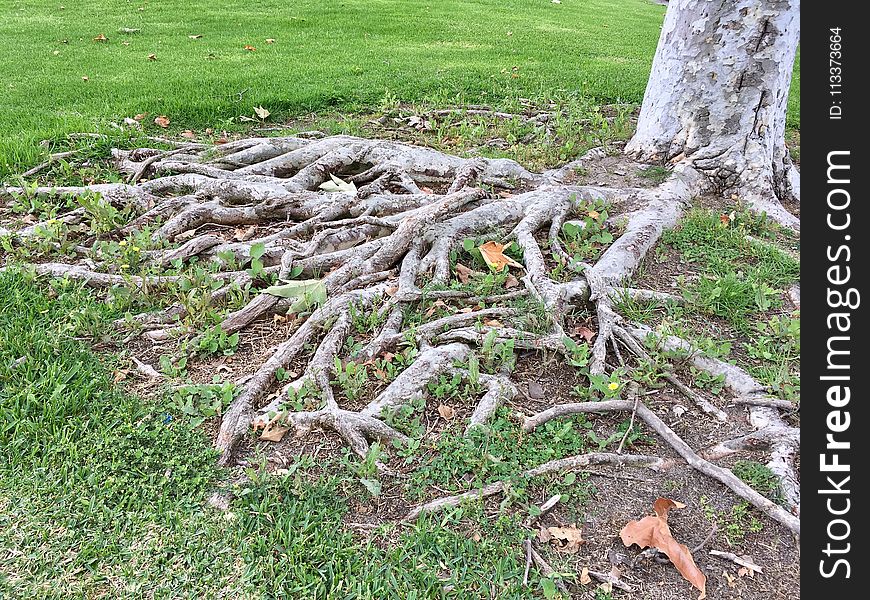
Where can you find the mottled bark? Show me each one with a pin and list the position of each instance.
(717, 97)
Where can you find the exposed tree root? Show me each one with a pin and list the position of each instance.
(721, 474)
(384, 245)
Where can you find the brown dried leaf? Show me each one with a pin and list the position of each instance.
(586, 333)
(140, 116)
(152, 56)
(162, 121)
(189, 134)
(250, 48)
(584, 576)
(463, 273)
(493, 255)
(653, 531)
(391, 291)
(569, 539)
(446, 412)
(493, 323)
(243, 234)
(101, 38)
(544, 535)
(511, 282)
(273, 432)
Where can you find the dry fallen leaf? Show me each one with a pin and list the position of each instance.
(586, 333)
(261, 112)
(511, 282)
(243, 234)
(493, 255)
(85, 78)
(463, 273)
(653, 531)
(195, 37)
(569, 539)
(101, 38)
(274, 432)
(493, 323)
(391, 291)
(270, 40)
(162, 121)
(584, 576)
(152, 56)
(187, 133)
(446, 412)
(140, 116)
(732, 581)
(250, 48)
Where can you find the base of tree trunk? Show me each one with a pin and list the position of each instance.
(376, 247)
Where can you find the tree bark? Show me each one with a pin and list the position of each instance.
(717, 97)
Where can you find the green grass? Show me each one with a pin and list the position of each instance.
(327, 54)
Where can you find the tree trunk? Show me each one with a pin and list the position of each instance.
(717, 97)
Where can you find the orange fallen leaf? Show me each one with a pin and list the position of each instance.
(250, 49)
(594, 214)
(101, 38)
(162, 121)
(446, 412)
(653, 532)
(493, 323)
(140, 116)
(391, 291)
(493, 255)
(187, 133)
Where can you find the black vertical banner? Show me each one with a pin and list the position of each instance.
(835, 434)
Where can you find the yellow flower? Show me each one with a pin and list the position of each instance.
(125, 266)
(613, 386)
(122, 243)
(136, 248)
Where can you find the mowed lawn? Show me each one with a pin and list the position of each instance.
(323, 54)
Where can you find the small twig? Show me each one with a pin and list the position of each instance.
(767, 403)
(706, 539)
(546, 569)
(736, 559)
(612, 580)
(632, 392)
(527, 545)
